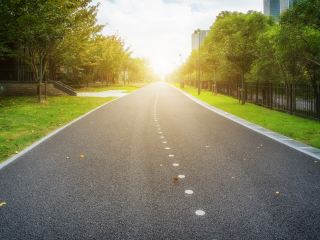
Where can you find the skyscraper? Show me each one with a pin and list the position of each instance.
(275, 8)
(271, 8)
(196, 38)
(285, 5)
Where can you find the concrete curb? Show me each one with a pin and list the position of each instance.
(301, 147)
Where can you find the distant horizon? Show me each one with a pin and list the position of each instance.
(166, 26)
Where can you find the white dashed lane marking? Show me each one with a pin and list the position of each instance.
(156, 120)
(189, 192)
(200, 213)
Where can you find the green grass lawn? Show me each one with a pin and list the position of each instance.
(128, 88)
(304, 130)
(23, 120)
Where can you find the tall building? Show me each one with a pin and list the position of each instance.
(271, 8)
(285, 5)
(198, 36)
(275, 8)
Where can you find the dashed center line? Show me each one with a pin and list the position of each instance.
(200, 213)
(189, 192)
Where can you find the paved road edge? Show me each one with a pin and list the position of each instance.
(10, 160)
(301, 147)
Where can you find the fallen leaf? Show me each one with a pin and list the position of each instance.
(175, 179)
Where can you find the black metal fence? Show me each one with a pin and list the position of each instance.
(297, 99)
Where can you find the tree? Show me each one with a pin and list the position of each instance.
(301, 26)
(235, 36)
(37, 27)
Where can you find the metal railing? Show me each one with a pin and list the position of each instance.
(65, 88)
(297, 99)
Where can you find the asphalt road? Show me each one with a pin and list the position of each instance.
(109, 176)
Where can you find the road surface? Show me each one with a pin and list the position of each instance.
(155, 165)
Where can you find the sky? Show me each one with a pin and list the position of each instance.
(160, 30)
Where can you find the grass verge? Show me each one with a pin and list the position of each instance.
(128, 88)
(304, 130)
(23, 120)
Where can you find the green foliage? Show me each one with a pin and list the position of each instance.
(301, 26)
(252, 47)
(37, 27)
(61, 40)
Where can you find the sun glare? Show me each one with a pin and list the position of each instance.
(162, 67)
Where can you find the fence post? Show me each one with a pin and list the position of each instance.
(257, 92)
(317, 96)
(245, 92)
(290, 98)
(271, 95)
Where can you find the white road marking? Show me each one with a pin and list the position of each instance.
(160, 132)
(181, 176)
(164, 142)
(189, 192)
(200, 213)
(171, 155)
(176, 164)
(167, 148)
(162, 137)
